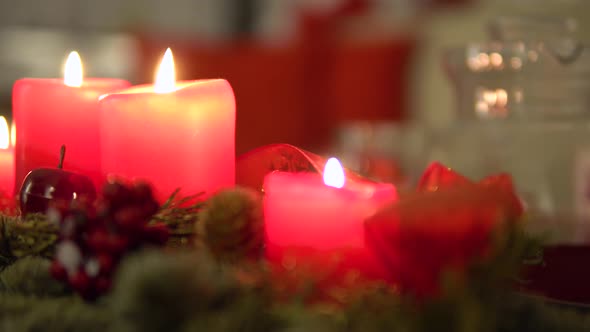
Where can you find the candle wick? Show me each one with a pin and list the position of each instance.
(62, 155)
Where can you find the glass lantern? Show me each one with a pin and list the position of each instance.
(523, 105)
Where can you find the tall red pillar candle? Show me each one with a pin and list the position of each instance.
(52, 112)
(176, 135)
(6, 161)
(315, 223)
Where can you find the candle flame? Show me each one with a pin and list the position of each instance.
(13, 134)
(334, 173)
(166, 76)
(4, 135)
(73, 70)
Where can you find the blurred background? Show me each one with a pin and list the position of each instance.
(386, 85)
(297, 66)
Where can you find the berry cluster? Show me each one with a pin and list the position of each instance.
(94, 238)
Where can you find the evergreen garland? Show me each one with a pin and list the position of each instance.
(33, 235)
(192, 288)
(36, 234)
(30, 276)
(182, 291)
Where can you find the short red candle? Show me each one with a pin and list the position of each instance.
(48, 114)
(6, 161)
(183, 138)
(308, 221)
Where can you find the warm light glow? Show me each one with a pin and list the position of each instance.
(490, 97)
(501, 97)
(491, 102)
(166, 76)
(4, 135)
(496, 59)
(518, 95)
(516, 63)
(533, 56)
(13, 134)
(73, 70)
(334, 174)
(484, 59)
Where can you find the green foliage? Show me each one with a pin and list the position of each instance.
(169, 289)
(30, 276)
(29, 236)
(184, 292)
(180, 214)
(28, 314)
(190, 290)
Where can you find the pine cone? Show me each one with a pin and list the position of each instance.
(231, 224)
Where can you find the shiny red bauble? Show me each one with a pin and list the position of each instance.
(44, 185)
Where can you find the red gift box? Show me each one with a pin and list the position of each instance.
(296, 94)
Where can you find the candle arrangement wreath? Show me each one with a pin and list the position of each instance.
(454, 249)
(446, 256)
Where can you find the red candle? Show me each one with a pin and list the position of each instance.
(314, 223)
(174, 135)
(6, 161)
(53, 112)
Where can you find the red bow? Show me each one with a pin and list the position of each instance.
(448, 223)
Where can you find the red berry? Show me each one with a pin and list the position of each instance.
(117, 244)
(114, 190)
(150, 208)
(106, 263)
(80, 282)
(98, 240)
(58, 271)
(130, 218)
(157, 233)
(142, 191)
(116, 194)
(102, 284)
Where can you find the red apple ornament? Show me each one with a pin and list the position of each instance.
(43, 185)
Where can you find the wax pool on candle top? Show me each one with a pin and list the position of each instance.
(50, 113)
(174, 137)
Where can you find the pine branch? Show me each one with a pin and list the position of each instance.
(180, 214)
(31, 236)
